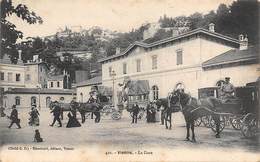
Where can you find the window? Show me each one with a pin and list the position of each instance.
(40, 78)
(154, 62)
(17, 100)
(180, 86)
(41, 69)
(124, 68)
(10, 77)
(179, 57)
(155, 92)
(110, 70)
(138, 65)
(18, 77)
(51, 84)
(62, 99)
(28, 77)
(2, 76)
(48, 101)
(58, 84)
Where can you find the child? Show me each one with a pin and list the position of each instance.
(37, 136)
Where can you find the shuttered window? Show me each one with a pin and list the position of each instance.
(179, 56)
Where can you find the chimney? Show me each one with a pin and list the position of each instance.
(19, 61)
(211, 27)
(243, 42)
(117, 50)
(20, 54)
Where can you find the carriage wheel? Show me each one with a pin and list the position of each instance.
(249, 126)
(116, 115)
(213, 124)
(236, 123)
(205, 121)
(198, 122)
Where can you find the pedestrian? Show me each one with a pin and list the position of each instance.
(148, 112)
(73, 107)
(153, 112)
(56, 113)
(227, 90)
(2, 109)
(37, 136)
(135, 112)
(162, 109)
(14, 117)
(34, 116)
(73, 122)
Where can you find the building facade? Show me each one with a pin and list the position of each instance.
(180, 61)
(25, 97)
(85, 87)
(55, 82)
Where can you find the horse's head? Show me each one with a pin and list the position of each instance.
(181, 96)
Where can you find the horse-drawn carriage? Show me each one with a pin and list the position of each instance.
(241, 112)
(136, 91)
(102, 107)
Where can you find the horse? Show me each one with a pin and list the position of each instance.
(192, 109)
(168, 110)
(84, 108)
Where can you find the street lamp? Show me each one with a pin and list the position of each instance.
(113, 74)
(39, 95)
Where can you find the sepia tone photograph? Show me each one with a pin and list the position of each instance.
(129, 80)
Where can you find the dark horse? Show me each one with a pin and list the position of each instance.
(192, 109)
(84, 108)
(169, 107)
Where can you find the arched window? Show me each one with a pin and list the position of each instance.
(33, 100)
(48, 101)
(81, 97)
(155, 92)
(17, 100)
(180, 86)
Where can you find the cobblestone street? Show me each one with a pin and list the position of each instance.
(122, 135)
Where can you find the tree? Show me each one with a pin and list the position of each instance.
(9, 33)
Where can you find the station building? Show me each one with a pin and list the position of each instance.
(196, 59)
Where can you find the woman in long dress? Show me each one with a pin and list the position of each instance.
(73, 122)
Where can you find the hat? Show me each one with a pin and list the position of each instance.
(227, 78)
(14, 106)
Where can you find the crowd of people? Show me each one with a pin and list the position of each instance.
(226, 92)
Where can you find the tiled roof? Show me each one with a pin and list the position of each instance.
(56, 77)
(41, 91)
(184, 35)
(92, 81)
(233, 56)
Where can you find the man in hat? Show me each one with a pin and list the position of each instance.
(14, 117)
(56, 113)
(227, 89)
(135, 112)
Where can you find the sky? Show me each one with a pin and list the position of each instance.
(116, 15)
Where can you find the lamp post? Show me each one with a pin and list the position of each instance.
(39, 95)
(113, 74)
